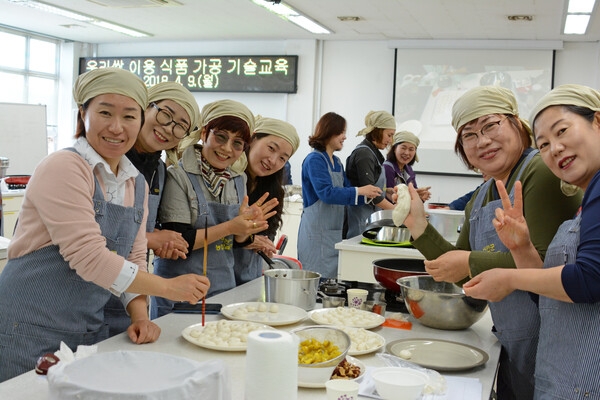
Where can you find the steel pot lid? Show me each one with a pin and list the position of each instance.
(381, 218)
(388, 234)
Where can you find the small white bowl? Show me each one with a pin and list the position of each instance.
(398, 383)
(319, 373)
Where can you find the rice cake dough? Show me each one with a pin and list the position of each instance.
(402, 205)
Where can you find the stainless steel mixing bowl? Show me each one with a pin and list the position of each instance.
(381, 229)
(440, 305)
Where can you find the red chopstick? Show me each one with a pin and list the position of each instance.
(204, 264)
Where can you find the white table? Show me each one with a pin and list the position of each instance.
(31, 386)
(355, 261)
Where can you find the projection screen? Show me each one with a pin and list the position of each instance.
(429, 81)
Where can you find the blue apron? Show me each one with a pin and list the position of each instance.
(358, 215)
(516, 317)
(114, 312)
(44, 301)
(248, 265)
(568, 353)
(320, 229)
(220, 263)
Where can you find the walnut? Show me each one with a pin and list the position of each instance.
(346, 370)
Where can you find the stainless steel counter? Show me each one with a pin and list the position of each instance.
(31, 386)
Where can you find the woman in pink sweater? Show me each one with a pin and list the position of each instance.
(80, 238)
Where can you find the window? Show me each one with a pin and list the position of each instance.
(29, 74)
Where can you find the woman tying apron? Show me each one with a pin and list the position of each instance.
(365, 167)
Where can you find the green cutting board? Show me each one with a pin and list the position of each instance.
(385, 244)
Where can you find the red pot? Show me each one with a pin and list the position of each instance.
(434, 206)
(388, 270)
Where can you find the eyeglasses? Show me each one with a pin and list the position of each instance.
(491, 130)
(223, 138)
(164, 118)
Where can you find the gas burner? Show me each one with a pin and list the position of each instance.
(395, 302)
(331, 287)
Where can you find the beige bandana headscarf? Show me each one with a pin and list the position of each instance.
(270, 126)
(377, 119)
(216, 109)
(279, 128)
(180, 95)
(485, 100)
(407, 137)
(221, 108)
(109, 80)
(571, 95)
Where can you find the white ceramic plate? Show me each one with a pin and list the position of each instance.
(440, 355)
(351, 360)
(363, 341)
(344, 316)
(231, 335)
(273, 314)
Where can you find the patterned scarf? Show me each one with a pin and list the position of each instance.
(215, 179)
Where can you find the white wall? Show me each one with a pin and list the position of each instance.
(357, 78)
(350, 78)
(578, 63)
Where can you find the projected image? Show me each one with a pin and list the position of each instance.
(428, 82)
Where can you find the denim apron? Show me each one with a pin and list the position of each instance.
(320, 229)
(44, 301)
(568, 353)
(516, 317)
(220, 255)
(114, 312)
(358, 215)
(248, 265)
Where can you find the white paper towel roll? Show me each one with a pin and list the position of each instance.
(271, 365)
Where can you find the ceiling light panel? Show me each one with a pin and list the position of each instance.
(135, 3)
(576, 24)
(581, 6)
(36, 5)
(286, 12)
(578, 16)
(41, 6)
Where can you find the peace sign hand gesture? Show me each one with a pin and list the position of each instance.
(510, 223)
